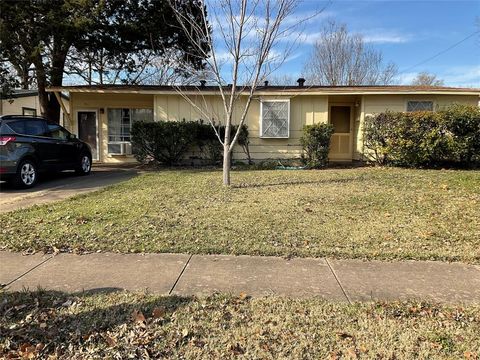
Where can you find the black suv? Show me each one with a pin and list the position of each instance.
(30, 144)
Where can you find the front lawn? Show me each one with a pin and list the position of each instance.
(374, 213)
(123, 325)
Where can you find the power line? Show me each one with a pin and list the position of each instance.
(441, 52)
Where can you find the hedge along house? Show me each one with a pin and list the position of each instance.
(103, 115)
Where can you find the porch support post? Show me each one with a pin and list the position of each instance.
(64, 108)
(362, 126)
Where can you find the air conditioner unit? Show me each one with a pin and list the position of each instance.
(123, 148)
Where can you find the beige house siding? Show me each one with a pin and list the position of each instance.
(304, 109)
(15, 106)
(101, 103)
(374, 104)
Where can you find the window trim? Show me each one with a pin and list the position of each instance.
(261, 119)
(29, 109)
(123, 142)
(420, 100)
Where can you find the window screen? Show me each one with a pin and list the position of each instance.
(275, 119)
(120, 122)
(419, 106)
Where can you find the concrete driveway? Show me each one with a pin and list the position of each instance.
(61, 186)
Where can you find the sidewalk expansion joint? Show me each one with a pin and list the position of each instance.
(180, 275)
(338, 281)
(28, 271)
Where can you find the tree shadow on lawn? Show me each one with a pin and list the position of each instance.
(51, 318)
(295, 182)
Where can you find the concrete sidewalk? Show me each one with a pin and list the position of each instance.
(180, 274)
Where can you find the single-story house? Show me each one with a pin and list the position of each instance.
(103, 115)
(26, 102)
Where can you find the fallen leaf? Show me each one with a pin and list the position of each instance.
(138, 316)
(198, 343)
(158, 312)
(237, 349)
(344, 335)
(110, 340)
(352, 354)
(243, 296)
(185, 332)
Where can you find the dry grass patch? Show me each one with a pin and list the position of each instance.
(125, 325)
(374, 213)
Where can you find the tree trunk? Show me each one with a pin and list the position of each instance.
(56, 79)
(226, 165)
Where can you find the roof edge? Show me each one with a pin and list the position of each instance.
(271, 90)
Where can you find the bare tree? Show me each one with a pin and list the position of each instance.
(283, 79)
(426, 79)
(341, 58)
(249, 41)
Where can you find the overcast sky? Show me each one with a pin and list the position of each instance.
(407, 33)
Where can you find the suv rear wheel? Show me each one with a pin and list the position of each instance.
(85, 165)
(26, 175)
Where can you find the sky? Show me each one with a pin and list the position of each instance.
(407, 33)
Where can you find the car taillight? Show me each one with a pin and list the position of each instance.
(4, 140)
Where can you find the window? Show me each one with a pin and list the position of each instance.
(29, 127)
(275, 119)
(340, 119)
(57, 132)
(29, 111)
(120, 122)
(419, 106)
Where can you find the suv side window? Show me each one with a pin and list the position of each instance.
(29, 127)
(57, 132)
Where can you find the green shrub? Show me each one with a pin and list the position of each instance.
(462, 123)
(315, 141)
(424, 138)
(377, 131)
(167, 142)
(212, 149)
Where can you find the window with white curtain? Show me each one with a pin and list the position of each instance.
(275, 119)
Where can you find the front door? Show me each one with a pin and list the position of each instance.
(87, 130)
(341, 145)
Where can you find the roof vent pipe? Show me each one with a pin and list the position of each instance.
(301, 82)
(266, 83)
(202, 83)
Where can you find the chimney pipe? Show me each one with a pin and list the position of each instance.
(301, 82)
(266, 83)
(202, 83)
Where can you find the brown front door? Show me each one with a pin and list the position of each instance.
(341, 145)
(87, 130)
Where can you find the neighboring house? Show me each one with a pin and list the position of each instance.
(25, 102)
(103, 115)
